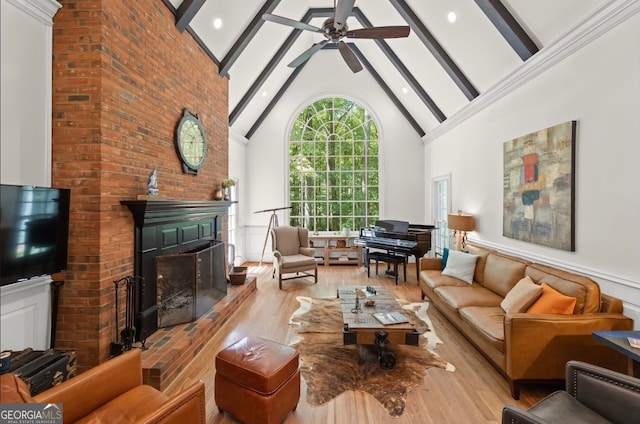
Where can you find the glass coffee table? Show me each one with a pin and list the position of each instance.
(361, 327)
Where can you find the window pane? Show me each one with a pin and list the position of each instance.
(333, 166)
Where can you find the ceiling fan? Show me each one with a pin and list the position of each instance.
(335, 29)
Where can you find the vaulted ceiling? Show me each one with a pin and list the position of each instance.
(456, 51)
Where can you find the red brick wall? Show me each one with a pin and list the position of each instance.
(122, 74)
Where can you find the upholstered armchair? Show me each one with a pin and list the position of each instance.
(113, 392)
(592, 395)
(292, 254)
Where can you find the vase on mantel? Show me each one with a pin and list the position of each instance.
(226, 194)
(217, 194)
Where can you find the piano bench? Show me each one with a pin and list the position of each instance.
(389, 259)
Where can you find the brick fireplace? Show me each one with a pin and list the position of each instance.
(119, 86)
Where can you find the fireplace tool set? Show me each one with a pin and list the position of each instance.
(124, 337)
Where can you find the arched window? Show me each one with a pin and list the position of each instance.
(333, 167)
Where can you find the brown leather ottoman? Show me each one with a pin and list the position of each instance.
(257, 381)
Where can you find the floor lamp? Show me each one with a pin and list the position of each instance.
(460, 223)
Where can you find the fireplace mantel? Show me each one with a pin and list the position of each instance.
(167, 227)
(162, 210)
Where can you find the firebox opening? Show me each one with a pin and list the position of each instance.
(189, 284)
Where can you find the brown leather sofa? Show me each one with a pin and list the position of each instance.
(113, 392)
(525, 347)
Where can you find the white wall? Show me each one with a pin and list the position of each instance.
(401, 151)
(25, 60)
(25, 149)
(599, 87)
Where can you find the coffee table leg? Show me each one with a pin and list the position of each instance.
(387, 359)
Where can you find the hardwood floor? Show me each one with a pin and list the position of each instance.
(474, 393)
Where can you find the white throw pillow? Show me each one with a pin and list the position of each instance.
(460, 265)
(521, 296)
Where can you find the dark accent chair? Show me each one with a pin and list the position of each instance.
(592, 395)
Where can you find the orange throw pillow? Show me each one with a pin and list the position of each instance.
(552, 302)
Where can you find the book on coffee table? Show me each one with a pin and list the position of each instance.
(388, 318)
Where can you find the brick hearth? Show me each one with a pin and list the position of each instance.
(169, 350)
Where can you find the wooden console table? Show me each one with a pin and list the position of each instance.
(326, 244)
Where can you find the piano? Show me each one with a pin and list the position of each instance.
(398, 237)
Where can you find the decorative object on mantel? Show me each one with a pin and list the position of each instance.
(191, 142)
(217, 194)
(226, 184)
(460, 223)
(152, 183)
(539, 191)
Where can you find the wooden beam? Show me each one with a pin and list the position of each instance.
(193, 34)
(510, 29)
(247, 35)
(284, 48)
(450, 67)
(402, 69)
(186, 11)
(407, 115)
(283, 89)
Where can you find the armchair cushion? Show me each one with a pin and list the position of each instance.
(113, 390)
(292, 254)
(592, 395)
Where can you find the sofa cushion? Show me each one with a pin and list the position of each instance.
(460, 265)
(445, 256)
(482, 254)
(489, 321)
(501, 273)
(14, 389)
(585, 290)
(433, 279)
(471, 295)
(521, 296)
(552, 302)
(133, 405)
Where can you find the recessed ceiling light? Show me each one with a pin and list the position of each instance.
(264, 93)
(217, 23)
(405, 90)
(451, 16)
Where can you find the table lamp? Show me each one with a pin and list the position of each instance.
(460, 223)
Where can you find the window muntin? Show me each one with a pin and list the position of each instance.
(333, 167)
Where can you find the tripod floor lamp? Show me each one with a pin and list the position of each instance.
(273, 223)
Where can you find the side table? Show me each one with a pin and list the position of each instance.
(618, 341)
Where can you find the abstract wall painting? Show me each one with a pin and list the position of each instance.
(539, 187)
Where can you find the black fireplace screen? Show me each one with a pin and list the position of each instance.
(189, 284)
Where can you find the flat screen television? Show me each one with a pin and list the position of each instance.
(34, 231)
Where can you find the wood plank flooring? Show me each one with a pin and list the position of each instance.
(474, 393)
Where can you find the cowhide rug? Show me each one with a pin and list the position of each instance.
(330, 368)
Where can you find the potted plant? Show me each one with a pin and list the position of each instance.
(226, 184)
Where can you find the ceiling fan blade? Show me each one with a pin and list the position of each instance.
(380, 32)
(307, 54)
(343, 9)
(290, 22)
(349, 56)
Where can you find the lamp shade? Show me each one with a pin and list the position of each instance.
(460, 222)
